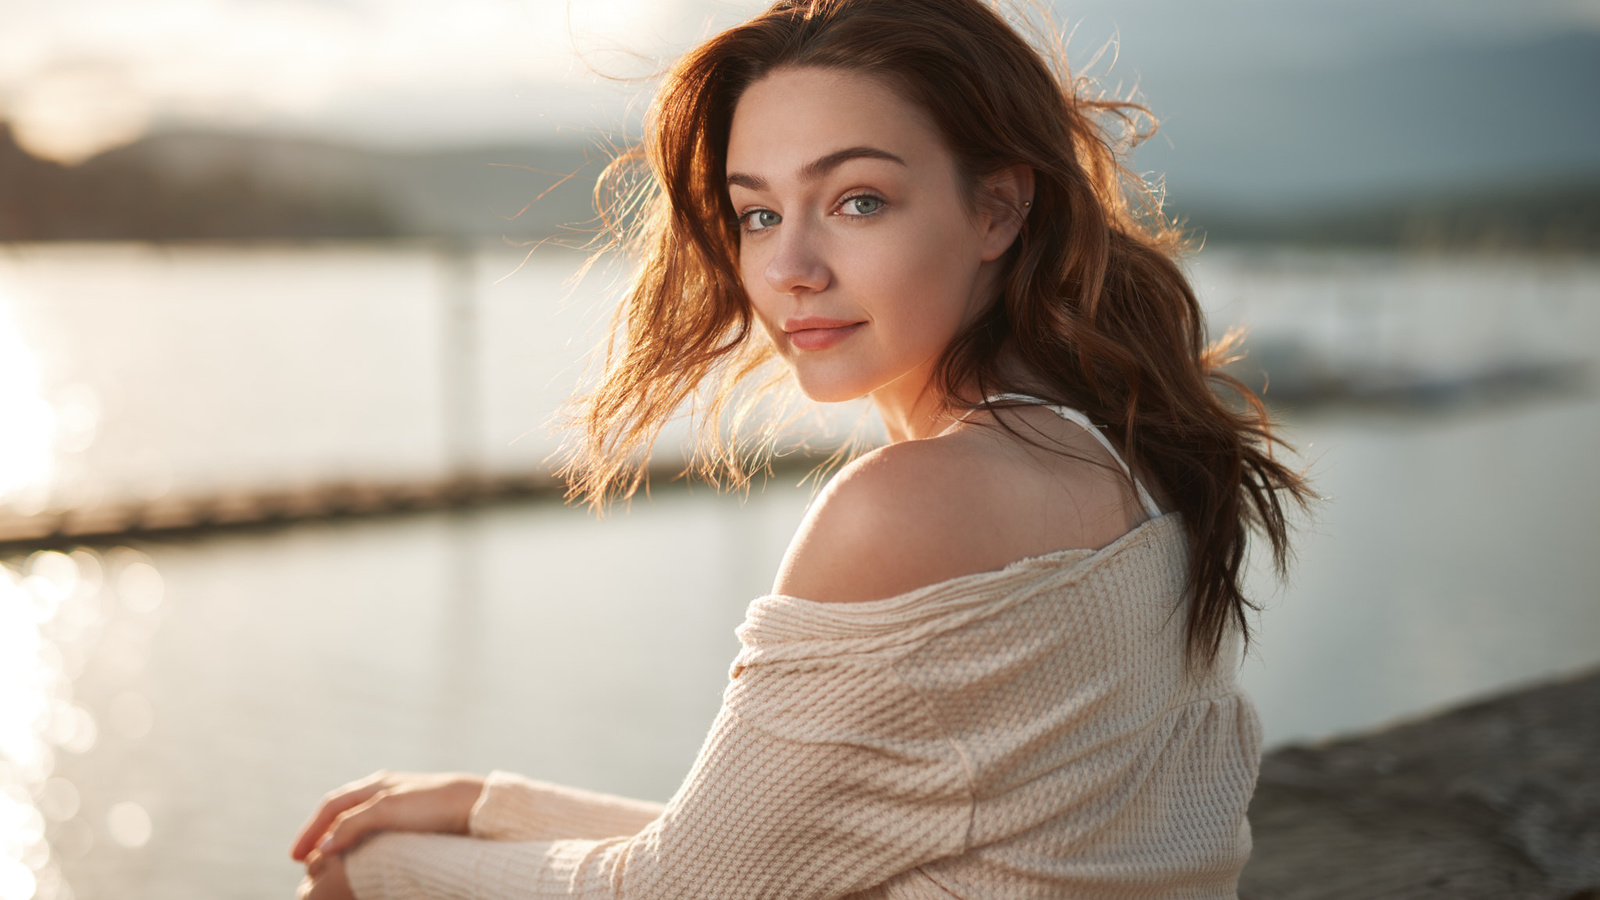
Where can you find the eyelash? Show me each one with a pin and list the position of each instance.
(865, 195)
(743, 219)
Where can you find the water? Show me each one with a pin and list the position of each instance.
(169, 713)
(277, 667)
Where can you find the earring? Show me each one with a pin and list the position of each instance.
(1026, 203)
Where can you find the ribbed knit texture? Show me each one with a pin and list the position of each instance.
(1024, 733)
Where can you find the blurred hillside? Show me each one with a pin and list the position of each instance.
(199, 185)
(1553, 216)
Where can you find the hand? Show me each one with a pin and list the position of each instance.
(392, 801)
(325, 879)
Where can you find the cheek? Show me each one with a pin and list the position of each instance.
(762, 302)
(748, 269)
(931, 272)
(753, 269)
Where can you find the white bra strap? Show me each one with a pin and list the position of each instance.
(1082, 421)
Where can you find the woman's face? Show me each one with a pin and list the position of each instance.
(857, 251)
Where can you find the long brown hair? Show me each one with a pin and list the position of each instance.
(1093, 305)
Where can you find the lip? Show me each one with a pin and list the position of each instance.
(816, 333)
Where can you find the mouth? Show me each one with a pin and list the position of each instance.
(819, 334)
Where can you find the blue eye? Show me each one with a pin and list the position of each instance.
(862, 206)
(759, 219)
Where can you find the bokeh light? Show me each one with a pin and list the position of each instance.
(140, 587)
(53, 610)
(69, 114)
(129, 824)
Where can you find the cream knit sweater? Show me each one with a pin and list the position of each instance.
(1028, 732)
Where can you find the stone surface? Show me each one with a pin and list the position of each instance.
(1498, 799)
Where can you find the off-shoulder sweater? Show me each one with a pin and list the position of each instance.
(1028, 732)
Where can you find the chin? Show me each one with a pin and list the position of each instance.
(830, 390)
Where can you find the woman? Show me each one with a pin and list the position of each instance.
(998, 659)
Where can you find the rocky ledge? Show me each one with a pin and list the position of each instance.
(1498, 799)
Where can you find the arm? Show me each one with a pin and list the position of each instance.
(500, 807)
(818, 780)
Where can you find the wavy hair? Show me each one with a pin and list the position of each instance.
(1093, 304)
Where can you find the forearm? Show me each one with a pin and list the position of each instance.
(406, 866)
(787, 803)
(513, 808)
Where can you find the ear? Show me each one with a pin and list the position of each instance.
(1009, 193)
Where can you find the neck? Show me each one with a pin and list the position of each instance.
(912, 408)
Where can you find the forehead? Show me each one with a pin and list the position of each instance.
(796, 115)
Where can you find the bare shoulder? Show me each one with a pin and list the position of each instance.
(921, 512)
(893, 520)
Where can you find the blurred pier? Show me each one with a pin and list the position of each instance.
(180, 516)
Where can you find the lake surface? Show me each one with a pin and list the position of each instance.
(170, 712)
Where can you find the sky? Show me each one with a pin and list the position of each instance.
(80, 76)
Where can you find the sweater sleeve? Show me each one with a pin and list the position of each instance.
(513, 808)
(817, 780)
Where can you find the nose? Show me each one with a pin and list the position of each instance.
(797, 264)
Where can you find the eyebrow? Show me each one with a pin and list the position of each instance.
(818, 167)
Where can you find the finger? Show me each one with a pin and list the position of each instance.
(348, 828)
(315, 863)
(333, 804)
(317, 889)
(332, 884)
(330, 809)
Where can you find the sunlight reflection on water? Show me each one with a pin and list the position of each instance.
(55, 609)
